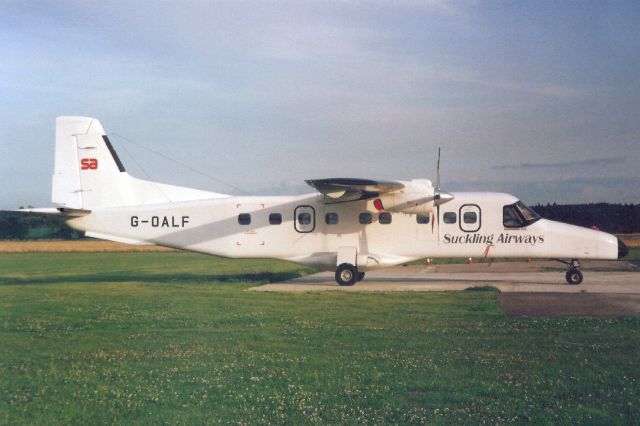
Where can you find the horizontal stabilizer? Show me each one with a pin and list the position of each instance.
(58, 211)
(89, 175)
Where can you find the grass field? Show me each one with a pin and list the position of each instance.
(95, 338)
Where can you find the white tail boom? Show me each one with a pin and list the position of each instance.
(89, 175)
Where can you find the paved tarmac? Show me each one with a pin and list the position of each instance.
(527, 289)
(508, 277)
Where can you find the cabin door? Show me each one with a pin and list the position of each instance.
(424, 227)
(470, 219)
(249, 216)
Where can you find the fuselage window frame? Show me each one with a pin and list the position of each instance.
(304, 218)
(244, 219)
(331, 218)
(300, 227)
(470, 217)
(365, 218)
(384, 218)
(450, 218)
(275, 219)
(422, 219)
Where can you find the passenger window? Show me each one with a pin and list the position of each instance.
(422, 219)
(275, 219)
(244, 219)
(449, 217)
(331, 218)
(384, 218)
(365, 218)
(470, 217)
(304, 218)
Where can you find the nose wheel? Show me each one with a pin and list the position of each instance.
(573, 275)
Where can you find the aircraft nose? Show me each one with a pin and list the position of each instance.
(623, 250)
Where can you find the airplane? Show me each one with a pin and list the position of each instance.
(346, 225)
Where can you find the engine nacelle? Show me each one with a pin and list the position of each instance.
(405, 202)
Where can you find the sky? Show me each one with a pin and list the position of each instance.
(539, 99)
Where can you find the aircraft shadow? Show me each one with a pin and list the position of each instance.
(255, 278)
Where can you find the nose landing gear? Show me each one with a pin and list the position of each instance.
(573, 275)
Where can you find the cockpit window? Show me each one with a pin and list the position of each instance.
(526, 212)
(518, 215)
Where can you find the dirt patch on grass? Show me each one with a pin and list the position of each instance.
(569, 304)
(49, 246)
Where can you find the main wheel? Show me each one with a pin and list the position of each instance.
(574, 276)
(346, 274)
(360, 276)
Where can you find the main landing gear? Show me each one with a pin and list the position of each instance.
(348, 274)
(573, 275)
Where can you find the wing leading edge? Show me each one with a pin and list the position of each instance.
(338, 190)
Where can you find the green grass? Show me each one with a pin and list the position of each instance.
(633, 256)
(174, 338)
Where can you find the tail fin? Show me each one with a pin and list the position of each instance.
(88, 174)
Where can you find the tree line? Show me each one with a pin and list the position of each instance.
(25, 226)
(614, 218)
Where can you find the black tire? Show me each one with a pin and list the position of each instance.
(360, 276)
(574, 276)
(346, 274)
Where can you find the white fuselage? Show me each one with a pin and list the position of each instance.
(304, 236)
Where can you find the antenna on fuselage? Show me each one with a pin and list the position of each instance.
(439, 197)
(436, 196)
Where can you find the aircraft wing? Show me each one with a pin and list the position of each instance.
(347, 189)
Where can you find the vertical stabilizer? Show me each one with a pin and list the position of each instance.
(88, 174)
(66, 190)
(87, 169)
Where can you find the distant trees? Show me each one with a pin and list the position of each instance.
(12, 227)
(23, 226)
(614, 218)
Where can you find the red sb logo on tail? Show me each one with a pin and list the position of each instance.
(89, 164)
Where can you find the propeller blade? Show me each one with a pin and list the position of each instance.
(438, 212)
(436, 196)
(433, 221)
(437, 187)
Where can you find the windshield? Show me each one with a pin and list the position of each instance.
(527, 212)
(518, 215)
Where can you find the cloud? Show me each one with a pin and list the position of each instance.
(609, 161)
(547, 90)
(299, 89)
